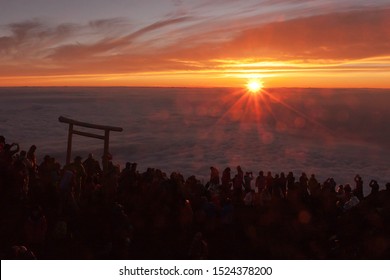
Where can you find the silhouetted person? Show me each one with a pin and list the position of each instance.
(260, 182)
(283, 185)
(110, 181)
(134, 169)
(314, 186)
(290, 181)
(269, 181)
(226, 181)
(80, 175)
(330, 185)
(240, 174)
(249, 197)
(125, 171)
(67, 186)
(350, 200)
(247, 181)
(381, 200)
(277, 188)
(35, 229)
(303, 180)
(23, 158)
(214, 176)
(387, 193)
(341, 197)
(92, 166)
(303, 184)
(44, 171)
(3, 162)
(340, 192)
(31, 156)
(9, 151)
(358, 191)
(20, 182)
(374, 187)
(2, 143)
(49, 172)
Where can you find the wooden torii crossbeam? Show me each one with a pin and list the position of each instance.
(71, 131)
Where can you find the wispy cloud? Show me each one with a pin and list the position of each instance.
(29, 39)
(109, 47)
(349, 35)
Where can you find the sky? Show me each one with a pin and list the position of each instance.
(195, 43)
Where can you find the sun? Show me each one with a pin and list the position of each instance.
(254, 86)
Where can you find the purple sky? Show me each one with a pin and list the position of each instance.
(147, 11)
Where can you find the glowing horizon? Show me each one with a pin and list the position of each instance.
(197, 44)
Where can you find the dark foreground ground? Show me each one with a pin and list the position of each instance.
(80, 212)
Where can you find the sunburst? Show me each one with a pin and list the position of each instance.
(254, 86)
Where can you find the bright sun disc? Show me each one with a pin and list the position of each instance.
(254, 86)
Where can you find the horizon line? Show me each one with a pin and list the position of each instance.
(192, 87)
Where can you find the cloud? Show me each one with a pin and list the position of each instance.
(154, 26)
(337, 36)
(19, 32)
(190, 43)
(29, 39)
(349, 35)
(177, 2)
(119, 52)
(6, 44)
(107, 23)
(23, 29)
(106, 45)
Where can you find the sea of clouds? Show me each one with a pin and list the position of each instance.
(330, 132)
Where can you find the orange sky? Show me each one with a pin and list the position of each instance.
(282, 44)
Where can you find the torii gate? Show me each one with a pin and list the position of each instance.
(105, 137)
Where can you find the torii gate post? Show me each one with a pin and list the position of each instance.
(105, 137)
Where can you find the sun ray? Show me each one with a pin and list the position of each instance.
(236, 105)
(299, 113)
(254, 86)
(260, 112)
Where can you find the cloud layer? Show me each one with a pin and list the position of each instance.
(355, 39)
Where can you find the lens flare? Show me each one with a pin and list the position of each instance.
(254, 86)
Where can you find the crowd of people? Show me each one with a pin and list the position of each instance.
(84, 211)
